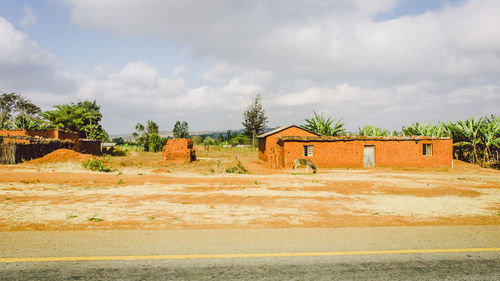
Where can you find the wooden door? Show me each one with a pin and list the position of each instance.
(369, 154)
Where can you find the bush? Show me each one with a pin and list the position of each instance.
(238, 169)
(118, 151)
(96, 165)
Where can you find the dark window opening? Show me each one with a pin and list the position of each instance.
(308, 150)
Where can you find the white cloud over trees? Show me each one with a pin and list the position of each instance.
(301, 56)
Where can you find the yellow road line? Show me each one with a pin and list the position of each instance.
(250, 255)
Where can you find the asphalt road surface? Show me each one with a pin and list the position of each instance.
(462, 266)
(382, 253)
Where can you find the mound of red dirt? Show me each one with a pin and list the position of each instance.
(61, 155)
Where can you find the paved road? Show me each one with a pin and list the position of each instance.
(143, 245)
(474, 266)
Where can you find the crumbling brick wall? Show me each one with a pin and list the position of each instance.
(179, 150)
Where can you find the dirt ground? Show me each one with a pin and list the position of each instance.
(60, 195)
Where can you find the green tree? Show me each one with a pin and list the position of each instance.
(118, 141)
(17, 112)
(148, 136)
(83, 117)
(207, 142)
(181, 130)
(238, 139)
(254, 119)
(323, 126)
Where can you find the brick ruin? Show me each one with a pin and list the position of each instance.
(23, 145)
(179, 150)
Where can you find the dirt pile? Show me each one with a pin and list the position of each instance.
(61, 155)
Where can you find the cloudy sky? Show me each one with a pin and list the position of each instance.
(383, 62)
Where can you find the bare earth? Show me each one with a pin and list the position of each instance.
(64, 196)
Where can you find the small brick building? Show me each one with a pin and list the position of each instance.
(179, 150)
(280, 148)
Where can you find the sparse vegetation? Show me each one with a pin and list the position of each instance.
(97, 165)
(95, 219)
(237, 169)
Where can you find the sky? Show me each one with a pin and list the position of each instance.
(387, 63)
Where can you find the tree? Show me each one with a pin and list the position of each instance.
(83, 117)
(118, 141)
(181, 130)
(320, 125)
(148, 136)
(17, 112)
(238, 139)
(254, 119)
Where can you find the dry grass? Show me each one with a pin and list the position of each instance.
(209, 161)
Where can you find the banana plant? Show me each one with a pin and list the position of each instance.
(372, 131)
(323, 126)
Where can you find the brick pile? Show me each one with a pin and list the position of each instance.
(179, 150)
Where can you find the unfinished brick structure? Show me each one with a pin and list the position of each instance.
(30, 136)
(179, 150)
(356, 151)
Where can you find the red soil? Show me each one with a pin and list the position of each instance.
(61, 155)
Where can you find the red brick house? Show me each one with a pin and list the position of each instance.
(270, 150)
(282, 147)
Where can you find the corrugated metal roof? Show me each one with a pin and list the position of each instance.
(353, 138)
(282, 129)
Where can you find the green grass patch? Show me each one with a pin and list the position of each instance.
(94, 219)
(97, 165)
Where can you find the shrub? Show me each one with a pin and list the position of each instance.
(238, 169)
(96, 165)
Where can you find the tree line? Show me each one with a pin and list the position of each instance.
(475, 140)
(83, 117)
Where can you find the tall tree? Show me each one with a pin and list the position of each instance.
(17, 112)
(254, 119)
(83, 117)
(323, 126)
(181, 130)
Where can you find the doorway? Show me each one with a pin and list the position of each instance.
(369, 156)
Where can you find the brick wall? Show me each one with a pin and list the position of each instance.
(397, 153)
(179, 150)
(269, 150)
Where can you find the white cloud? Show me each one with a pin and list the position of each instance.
(29, 18)
(319, 39)
(328, 56)
(25, 67)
